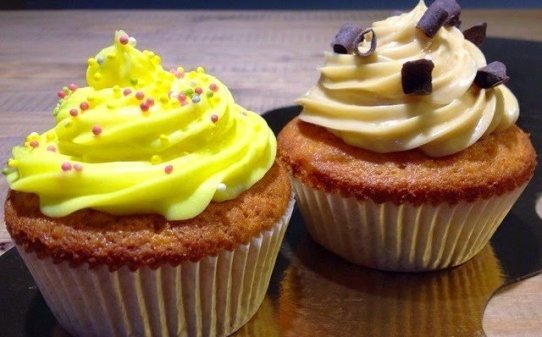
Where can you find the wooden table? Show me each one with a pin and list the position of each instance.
(266, 58)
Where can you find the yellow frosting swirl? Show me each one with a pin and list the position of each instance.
(360, 99)
(140, 139)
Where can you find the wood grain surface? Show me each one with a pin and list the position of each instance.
(267, 58)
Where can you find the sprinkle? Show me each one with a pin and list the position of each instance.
(440, 13)
(5, 171)
(127, 91)
(182, 98)
(476, 34)
(168, 169)
(66, 166)
(200, 70)
(72, 86)
(149, 102)
(51, 148)
(78, 167)
(124, 39)
(491, 75)
(144, 107)
(96, 130)
(100, 60)
(196, 99)
(74, 112)
(209, 94)
(343, 43)
(189, 92)
(213, 87)
(140, 95)
(179, 74)
(198, 90)
(61, 94)
(214, 118)
(221, 187)
(360, 38)
(416, 77)
(180, 69)
(156, 159)
(132, 41)
(84, 106)
(34, 144)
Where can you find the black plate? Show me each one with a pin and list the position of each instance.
(314, 293)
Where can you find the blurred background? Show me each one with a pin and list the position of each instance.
(251, 4)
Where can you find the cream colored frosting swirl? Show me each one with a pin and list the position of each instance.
(361, 99)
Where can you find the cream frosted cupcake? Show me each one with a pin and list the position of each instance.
(405, 156)
(153, 207)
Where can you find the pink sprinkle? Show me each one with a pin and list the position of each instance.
(74, 112)
(150, 102)
(182, 98)
(140, 95)
(66, 166)
(34, 144)
(168, 169)
(51, 148)
(84, 106)
(179, 74)
(213, 87)
(214, 118)
(61, 94)
(198, 90)
(78, 167)
(127, 91)
(96, 130)
(72, 86)
(144, 107)
(124, 39)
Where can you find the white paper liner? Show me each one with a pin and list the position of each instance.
(402, 237)
(212, 297)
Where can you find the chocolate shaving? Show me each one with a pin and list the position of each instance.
(476, 34)
(360, 38)
(416, 77)
(440, 13)
(343, 43)
(491, 75)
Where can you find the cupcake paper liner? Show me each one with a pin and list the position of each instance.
(211, 297)
(403, 237)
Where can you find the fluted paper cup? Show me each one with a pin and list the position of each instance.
(405, 237)
(211, 297)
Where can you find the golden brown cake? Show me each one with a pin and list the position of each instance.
(153, 207)
(406, 156)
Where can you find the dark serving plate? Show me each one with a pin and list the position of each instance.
(315, 293)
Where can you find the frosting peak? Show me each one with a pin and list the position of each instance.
(361, 99)
(139, 139)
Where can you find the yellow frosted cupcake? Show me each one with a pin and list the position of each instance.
(153, 207)
(406, 156)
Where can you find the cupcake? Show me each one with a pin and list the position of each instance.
(153, 207)
(406, 156)
(444, 303)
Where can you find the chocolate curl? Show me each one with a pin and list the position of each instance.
(360, 38)
(416, 77)
(440, 13)
(491, 75)
(476, 34)
(343, 43)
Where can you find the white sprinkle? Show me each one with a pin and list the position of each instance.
(221, 187)
(100, 60)
(132, 41)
